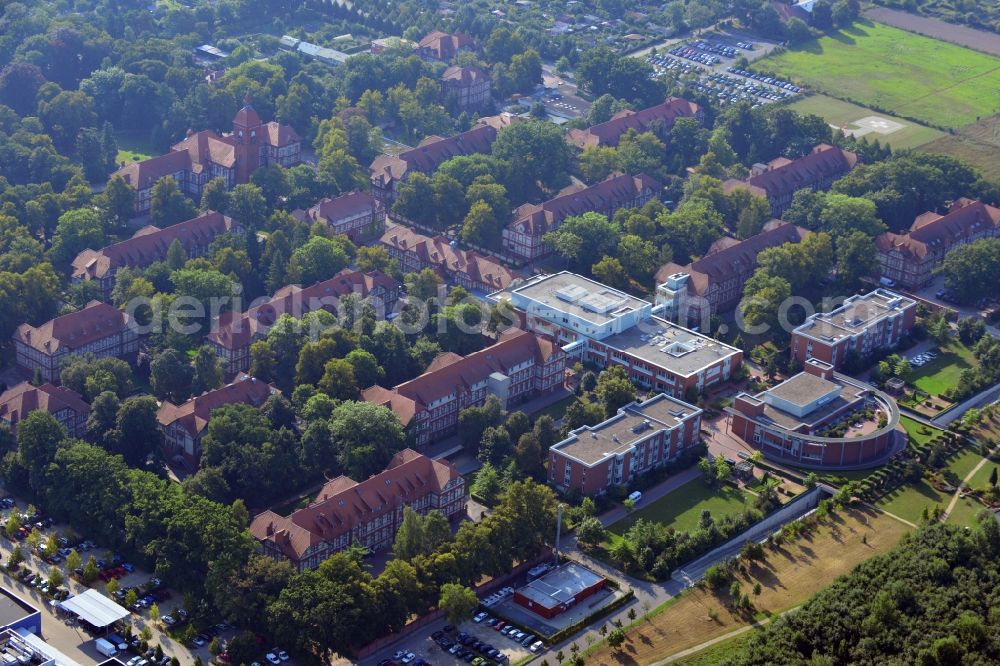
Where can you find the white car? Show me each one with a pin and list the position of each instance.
(479, 617)
(409, 657)
(536, 646)
(282, 655)
(273, 658)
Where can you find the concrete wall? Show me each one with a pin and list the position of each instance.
(795, 509)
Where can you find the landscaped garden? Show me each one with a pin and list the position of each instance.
(943, 372)
(682, 508)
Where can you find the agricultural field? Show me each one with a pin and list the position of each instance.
(898, 133)
(788, 577)
(978, 144)
(902, 73)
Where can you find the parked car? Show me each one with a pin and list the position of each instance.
(272, 658)
(536, 646)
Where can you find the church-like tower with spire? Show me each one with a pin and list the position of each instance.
(205, 155)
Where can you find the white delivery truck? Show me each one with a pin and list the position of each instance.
(105, 647)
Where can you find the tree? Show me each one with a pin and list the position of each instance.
(597, 162)
(319, 259)
(763, 295)
(616, 638)
(539, 149)
(610, 271)
(638, 256)
(487, 484)
(39, 436)
(494, 445)
(338, 380)
(168, 205)
(458, 602)
(797, 30)
(614, 389)
(16, 555)
(111, 587)
(140, 434)
(584, 239)
(993, 477)
(590, 531)
(77, 230)
(73, 560)
(857, 257)
(215, 195)
(248, 205)
(481, 226)
(170, 376)
(91, 572)
(366, 436)
(65, 114)
(208, 371)
(972, 270)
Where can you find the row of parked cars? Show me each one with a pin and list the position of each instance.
(717, 48)
(522, 638)
(468, 648)
(922, 359)
(497, 597)
(694, 54)
(763, 78)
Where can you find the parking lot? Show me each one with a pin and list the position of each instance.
(67, 634)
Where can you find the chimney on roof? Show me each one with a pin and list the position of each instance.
(189, 133)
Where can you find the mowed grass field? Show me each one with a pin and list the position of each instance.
(682, 508)
(944, 371)
(904, 73)
(788, 577)
(843, 114)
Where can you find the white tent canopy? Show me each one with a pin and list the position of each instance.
(94, 608)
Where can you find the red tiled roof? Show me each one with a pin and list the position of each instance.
(19, 401)
(784, 176)
(233, 331)
(431, 153)
(207, 147)
(74, 330)
(464, 76)
(144, 174)
(332, 210)
(438, 252)
(343, 503)
(194, 414)
(964, 218)
(608, 133)
(445, 45)
(279, 135)
(150, 244)
(728, 256)
(449, 371)
(610, 194)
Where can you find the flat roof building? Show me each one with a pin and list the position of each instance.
(606, 326)
(638, 438)
(862, 325)
(17, 613)
(559, 590)
(819, 419)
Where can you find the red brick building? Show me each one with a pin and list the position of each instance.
(714, 283)
(778, 180)
(610, 132)
(817, 419)
(235, 332)
(559, 590)
(205, 155)
(357, 215)
(444, 46)
(470, 86)
(862, 325)
(466, 268)
(369, 512)
(67, 406)
(99, 329)
(640, 437)
(149, 245)
(184, 425)
(388, 171)
(520, 366)
(523, 236)
(910, 259)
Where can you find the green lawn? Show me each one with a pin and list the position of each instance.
(843, 114)
(982, 477)
(716, 654)
(133, 147)
(682, 508)
(944, 372)
(965, 512)
(909, 501)
(557, 409)
(964, 461)
(901, 72)
(920, 433)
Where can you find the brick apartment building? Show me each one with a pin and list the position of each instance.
(388, 171)
(863, 324)
(205, 155)
(909, 259)
(520, 366)
(357, 215)
(714, 283)
(99, 329)
(610, 132)
(466, 268)
(367, 512)
(235, 332)
(790, 422)
(185, 424)
(523, 235)
(470, 86)
(67, 406)
(444, 46)
(640, 437)
(597, 323)
(778, 180)
(149, 245)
